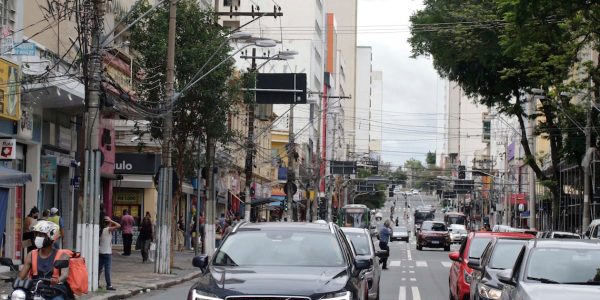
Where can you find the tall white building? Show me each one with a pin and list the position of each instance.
(362, 126)
(376, 115)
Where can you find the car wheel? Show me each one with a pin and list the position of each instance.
(407, 240)
(447, 248)
(419, 247)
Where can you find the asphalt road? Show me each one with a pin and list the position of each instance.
(412, 274)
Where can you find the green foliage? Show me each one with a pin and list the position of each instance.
(203, 109)
(375, 200)
(430, 159)
(414, 165)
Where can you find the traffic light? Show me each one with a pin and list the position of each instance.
(461, 172)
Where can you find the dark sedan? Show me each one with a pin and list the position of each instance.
(287, 261)
(554, 270)
(500, 254)
(433, 234)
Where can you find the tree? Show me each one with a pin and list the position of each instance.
(496, 55)
(430, 159)
(200, 112)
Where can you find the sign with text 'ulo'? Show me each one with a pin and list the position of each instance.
(136, 163)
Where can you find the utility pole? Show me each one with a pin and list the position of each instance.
(250, 144)
(291, 174)
(197, 244)
(88, 228)
(507, 205)
(532, 176)
(586, 164)
(162, 262)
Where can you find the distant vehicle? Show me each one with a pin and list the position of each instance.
(559, 235)
(458, 233)
(400, 233)
(363, 247)
(415, 192)
(551, 269)
(354, 215)
(433, 234)
(455, 218)
(500, 254)
(421, 215)
(461, 274)
(593, 231)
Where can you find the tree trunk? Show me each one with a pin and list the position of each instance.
(209, 227)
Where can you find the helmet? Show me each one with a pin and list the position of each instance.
(49, 228)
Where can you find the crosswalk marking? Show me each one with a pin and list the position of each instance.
(402, 293)
(414, 290)
(411, 272)
(446, 264)
(421, 263)
(395, 263)
(416, 294)
(413, 279)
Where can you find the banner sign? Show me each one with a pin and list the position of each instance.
(8, 148)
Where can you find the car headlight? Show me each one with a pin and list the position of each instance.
(338, 296)
(468, 277)
(18, 294)
(489, 292)
(199, 295)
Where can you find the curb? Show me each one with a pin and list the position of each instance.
(140, 290)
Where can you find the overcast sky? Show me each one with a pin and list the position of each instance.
(413, 93)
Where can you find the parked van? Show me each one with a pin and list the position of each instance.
(593, 231)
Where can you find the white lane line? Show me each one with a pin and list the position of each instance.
(403, 279)
(446, 264)
(411, 272)
(403, 272)
(411, 267)
(408, 255)
(421, 263)
(415, 293)
(413, 279)
(395, 263)
(402, 293)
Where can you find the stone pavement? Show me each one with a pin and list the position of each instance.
(131, 277)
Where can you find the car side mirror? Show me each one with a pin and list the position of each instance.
(362, 263)
(475, 264)
(454, 256)
(505, 276)
(449, 229)
(200, 261)
(61, 263)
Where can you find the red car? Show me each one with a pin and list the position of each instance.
(460, 274)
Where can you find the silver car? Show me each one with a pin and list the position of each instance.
(552, 270)
(363, 247)
(458, 233)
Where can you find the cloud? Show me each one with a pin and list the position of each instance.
(412, 91)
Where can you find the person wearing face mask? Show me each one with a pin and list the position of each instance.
(106, 230)
(39, 263)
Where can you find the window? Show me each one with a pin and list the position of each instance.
(477, 247)
(7, 13)
(505, 255)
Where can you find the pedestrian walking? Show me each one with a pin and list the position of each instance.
(55, 218)
(228, 229)
(127, 223)
(179, 238)
(28, 233)
(384, 238)
(105, 252)
(146, 237)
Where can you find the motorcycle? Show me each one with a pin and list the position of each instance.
(36, 289)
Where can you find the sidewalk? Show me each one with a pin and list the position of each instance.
(131, 277)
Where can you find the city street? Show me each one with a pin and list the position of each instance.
(412, 274)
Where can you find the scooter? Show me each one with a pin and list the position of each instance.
(35, 289)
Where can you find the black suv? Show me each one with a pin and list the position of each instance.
(287, 261)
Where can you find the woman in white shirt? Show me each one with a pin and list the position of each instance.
(106, 229)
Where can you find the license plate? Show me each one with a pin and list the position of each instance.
(435, 242)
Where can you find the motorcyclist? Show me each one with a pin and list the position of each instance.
(46, 233)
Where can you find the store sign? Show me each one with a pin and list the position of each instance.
(10, 94)
(48, 171)
(8, 149)
(25, 124)
(136, 163)
(25, 49)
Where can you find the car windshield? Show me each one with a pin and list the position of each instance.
(400, 229)
(567, 266)
(360, 241)
(477, 246)
(458, 228)
(505, 254)
(279, 248)
(434, 226)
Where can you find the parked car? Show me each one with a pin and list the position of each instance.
(593, 231)
(400, 233)
(500, 254)
(282, 260)
(559, 235)
(553, 269)
(433, 234)
(460, 276)
(363, 247)
(458, 233)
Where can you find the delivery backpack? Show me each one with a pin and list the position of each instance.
(78, 275)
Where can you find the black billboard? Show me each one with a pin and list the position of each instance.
(281, 88)
(339, 167)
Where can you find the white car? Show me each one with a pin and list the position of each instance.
(458, 233)
(415, 192)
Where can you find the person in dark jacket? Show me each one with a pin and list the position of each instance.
(146, 237)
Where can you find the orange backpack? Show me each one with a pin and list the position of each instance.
(78, 275)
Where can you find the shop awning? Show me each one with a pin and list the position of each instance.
(13, 177)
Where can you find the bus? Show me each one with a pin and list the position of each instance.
(453, 217)
(354, 215)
